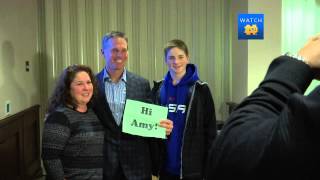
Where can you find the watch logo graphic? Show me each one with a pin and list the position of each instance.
(250, 26)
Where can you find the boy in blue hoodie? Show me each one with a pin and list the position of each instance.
(191, 108)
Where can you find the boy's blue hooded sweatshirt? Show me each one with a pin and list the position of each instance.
(175, 97)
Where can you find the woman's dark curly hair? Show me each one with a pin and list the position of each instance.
(61, 95)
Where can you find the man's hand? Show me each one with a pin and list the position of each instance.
(311, 53)
(168, 124)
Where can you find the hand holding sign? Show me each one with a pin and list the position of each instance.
(142, 119)
(168, 125)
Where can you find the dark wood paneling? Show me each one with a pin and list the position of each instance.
(20, 145)
(32, 142)
(10, 152)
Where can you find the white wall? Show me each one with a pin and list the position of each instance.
(239, 53)
(251, 58)
(18, 43)
(262, 52)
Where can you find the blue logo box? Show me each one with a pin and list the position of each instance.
(250, 26)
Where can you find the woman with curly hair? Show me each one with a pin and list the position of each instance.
(73, 135)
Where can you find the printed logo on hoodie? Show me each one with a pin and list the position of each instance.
(177, 107)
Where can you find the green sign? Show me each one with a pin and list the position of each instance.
(143, 119)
